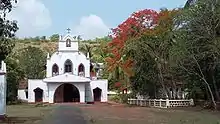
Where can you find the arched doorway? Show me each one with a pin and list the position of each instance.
(97, 92)
(66, 93)
(38, 94)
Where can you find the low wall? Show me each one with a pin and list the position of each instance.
(161, 103)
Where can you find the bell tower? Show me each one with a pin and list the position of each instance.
(68, 43)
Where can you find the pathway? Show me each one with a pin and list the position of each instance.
(65, 114)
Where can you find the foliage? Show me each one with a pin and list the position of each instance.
(120, 98)
(54, 38)
(150, 51)
(7, 29)
(117, 62)
(14, 75)
(32, 60)
(132, 27)
(198, 45)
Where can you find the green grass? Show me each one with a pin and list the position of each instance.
(26, 114)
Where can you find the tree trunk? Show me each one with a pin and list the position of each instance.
(160, 75)
(206, 83)
(214, 83)
(211, 94)
(215, 88)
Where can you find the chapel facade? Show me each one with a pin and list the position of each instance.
(68, 77)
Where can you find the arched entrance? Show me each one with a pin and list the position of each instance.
(66, 93)
(38, 94)
(97, 92)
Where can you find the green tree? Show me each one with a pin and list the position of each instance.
(198, 44)
(14, 75)
(32, 60)
(7, 29)
(54, 38)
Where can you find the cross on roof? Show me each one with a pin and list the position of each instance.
(68, 30)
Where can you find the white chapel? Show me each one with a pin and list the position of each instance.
(68, 78)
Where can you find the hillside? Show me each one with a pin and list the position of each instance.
(45, 46)
(94, 47)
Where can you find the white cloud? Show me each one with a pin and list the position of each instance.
(90, 27)
(32, 17)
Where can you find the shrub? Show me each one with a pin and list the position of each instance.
(124, 98)
(115, 98)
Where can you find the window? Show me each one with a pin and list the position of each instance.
(55, 70)
(81, 70)
(26, 92)
(68, 66)
(68, 43)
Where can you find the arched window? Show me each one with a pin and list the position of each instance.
(55, 70)
(68, 43)
(68, 66)
(81, 70)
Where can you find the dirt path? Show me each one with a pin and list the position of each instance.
(65, 114)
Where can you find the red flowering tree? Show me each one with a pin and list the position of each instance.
(137, 23)
(153, 48)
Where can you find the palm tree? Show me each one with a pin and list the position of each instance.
(189, 3)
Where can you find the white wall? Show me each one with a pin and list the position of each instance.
(77, 58)
(22, 94)
(102, 84)
(88, 93)
(73, 47)
(50, 88)
(62, 44)
(53, 86)
(3, 88)
(33, 84)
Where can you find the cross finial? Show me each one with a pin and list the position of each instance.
(68, 30)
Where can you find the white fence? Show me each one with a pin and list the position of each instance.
(161, 103)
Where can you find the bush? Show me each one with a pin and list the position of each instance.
(124, 98)
(15, 102)
(115, 98)
(120, 98)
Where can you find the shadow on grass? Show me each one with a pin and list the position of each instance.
(19, 120)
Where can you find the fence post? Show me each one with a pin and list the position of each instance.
(141, 102)
(191, 102)
(154, 102)
(167, 103)
(160, 102)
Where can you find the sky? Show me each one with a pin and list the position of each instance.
(88, 18)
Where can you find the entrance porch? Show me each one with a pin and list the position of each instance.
(66, 88)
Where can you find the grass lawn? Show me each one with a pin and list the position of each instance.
(26, 114)
(107, 114)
